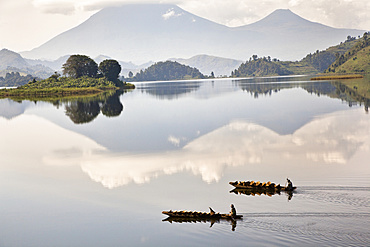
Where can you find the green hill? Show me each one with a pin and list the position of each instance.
(165, 71)
(355, 60)
(13, 62)
(313, 63)
(319, 61)
(359, 63)
(260, 67)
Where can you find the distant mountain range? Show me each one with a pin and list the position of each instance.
(13, 62)
(144, 32)
(208, 64)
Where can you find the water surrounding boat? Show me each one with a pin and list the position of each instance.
(100, 171)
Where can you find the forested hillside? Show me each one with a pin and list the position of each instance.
(321, 60)
(260, 67)
(355, 60)
(165, 71)
(313, 63)
(14, 79)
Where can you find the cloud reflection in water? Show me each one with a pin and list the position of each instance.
(332, 139)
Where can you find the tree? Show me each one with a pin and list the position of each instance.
(80, 65)
(110, 69)
(130, 74)
(55, 76)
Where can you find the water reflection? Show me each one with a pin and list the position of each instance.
(169, 90)
(10, 109)
(193, 220)
(80, 110)
(261, 191)
(327, 140)
(332, 139)
(264, 88)
(333, 89)
(261, 86)
(351, 95)
(85, 110)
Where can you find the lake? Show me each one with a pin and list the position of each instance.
(99, 171)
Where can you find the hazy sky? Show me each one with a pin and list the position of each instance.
(26, 24)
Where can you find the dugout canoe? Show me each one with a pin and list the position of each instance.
(268, 186)
(185, 215)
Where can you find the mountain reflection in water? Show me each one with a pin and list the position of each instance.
(329, 139)
(106, 182)
(332, 139)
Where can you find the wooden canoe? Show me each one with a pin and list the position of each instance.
(193, 215)
(272, 187)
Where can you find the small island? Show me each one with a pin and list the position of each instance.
(167, 71)
(82, 76)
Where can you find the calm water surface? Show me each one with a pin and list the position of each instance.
(100, 172)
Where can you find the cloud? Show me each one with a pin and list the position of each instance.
(56, 6)
(170, 13)
(176, 140)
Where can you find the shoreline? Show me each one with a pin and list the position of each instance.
(337, 77)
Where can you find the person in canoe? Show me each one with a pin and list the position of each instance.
(233, 211)
(290, 184)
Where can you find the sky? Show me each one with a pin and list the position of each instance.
(27, 24)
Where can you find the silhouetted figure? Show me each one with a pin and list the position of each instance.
(233, 211)
(290, 184)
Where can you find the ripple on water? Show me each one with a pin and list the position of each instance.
(356, 197)
(283, 229)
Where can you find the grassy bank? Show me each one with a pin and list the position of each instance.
(49, 92)
(62, 87)
(337, 77)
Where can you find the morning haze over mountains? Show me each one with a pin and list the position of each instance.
(139, 33)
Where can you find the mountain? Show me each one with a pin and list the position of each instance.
(293, 34)
(11, 61)
(207, 64)
(56, 65)
(143, 32)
